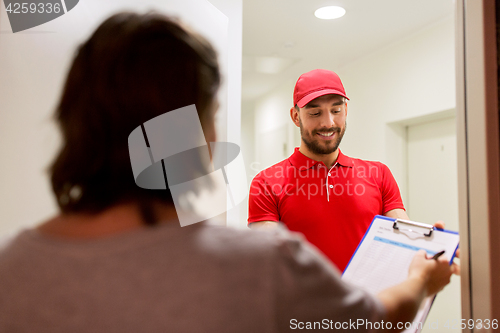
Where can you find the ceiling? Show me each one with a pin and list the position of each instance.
(281, 36)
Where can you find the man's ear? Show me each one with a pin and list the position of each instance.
(294, 114)
(346, 108)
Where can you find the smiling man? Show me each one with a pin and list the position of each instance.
(329, 197)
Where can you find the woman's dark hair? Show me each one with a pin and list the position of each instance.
(133, 68)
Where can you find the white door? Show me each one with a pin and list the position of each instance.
(433, 196)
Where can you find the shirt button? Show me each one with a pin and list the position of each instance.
(331, 186)
(329, 174)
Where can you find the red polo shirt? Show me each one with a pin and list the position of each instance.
(332, 208)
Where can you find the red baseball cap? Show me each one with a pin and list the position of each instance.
(316, 83)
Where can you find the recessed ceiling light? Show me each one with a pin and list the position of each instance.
(272, 65)
(329, 12)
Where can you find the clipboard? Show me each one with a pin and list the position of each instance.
(383, 256)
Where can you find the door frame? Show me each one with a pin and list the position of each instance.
(478, 158)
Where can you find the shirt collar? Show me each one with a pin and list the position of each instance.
(302, 162)
(344, 160)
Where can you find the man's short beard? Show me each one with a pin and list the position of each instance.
(317, 149)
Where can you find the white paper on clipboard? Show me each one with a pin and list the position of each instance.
(384, 255)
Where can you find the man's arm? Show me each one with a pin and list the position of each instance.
(262, 205)
(263, 225)
(397, 213)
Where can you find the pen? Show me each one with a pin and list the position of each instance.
(437, 255)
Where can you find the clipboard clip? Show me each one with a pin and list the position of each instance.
(416, 224)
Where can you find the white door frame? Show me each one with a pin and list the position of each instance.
(478, 159)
